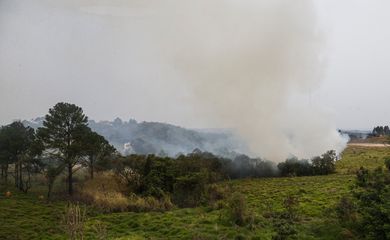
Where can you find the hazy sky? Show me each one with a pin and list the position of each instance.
(93, 54)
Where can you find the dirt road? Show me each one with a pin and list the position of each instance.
(368, 144)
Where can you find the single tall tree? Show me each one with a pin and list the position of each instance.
(62, 136)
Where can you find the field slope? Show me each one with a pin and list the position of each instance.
(27, 217)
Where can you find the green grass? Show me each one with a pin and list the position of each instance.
(26, 217)
(355, 157)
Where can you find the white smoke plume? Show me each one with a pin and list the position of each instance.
(250, 65)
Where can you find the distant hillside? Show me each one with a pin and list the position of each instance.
(161, 138)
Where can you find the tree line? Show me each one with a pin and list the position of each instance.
(65, 144)
(381, 131)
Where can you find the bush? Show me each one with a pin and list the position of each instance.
(237, 209)
(105, 193)
(284, 222)
(326, 164)
(372, 195)
(291, 204)
(215, 192)
(189, 190)
(387, 163)
(346, 210)
(284, 229)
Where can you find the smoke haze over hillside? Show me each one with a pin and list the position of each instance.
(246, 65)
(245, 62)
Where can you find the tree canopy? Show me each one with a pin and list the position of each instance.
(62, 136)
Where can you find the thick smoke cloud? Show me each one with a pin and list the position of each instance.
(248, 65)
(252, 66)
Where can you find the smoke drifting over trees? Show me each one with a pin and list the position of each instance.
(245, 65)
(251, 66)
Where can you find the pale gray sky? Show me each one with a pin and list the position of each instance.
(93, 54)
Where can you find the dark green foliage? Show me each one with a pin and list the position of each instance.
(243, 166)
(372, 193)
(285, 229)
(146, 175)
(185, 178)
(326, 164)
(62, 135)
(51, 169)
(284, 222)
(19, 148)
(295, 167)
(387, 163)
(321, 165)
(381, 131)
(97, 150)
(346, 211)
(189, 189)
(368, 213)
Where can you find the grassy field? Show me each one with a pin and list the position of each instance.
(27, 217)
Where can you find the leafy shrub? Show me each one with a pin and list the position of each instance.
(190, 189)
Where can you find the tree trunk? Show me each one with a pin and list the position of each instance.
(2, 172)
(6, 174)
(91, 167)
(70, 179)
(21, 187)
(49, 190)
(16, 172)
